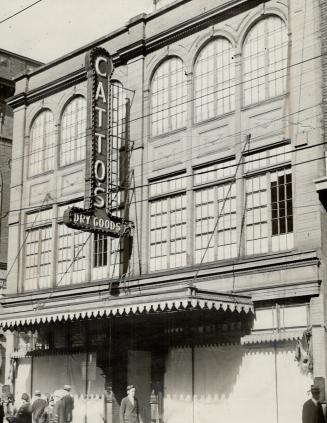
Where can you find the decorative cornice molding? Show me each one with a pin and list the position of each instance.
(48, 89)
(140, 47)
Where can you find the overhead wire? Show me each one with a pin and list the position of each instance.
(235, 134)
(233, 179)
(193, 99)
(189, 100)
(19, 11)
(183, 175)
(220, 212)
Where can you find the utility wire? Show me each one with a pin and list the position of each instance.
(180, 104)
(185, 176)
(220, 213)
(194, 149)
(20, 11)
(76, 257)
(199, 265)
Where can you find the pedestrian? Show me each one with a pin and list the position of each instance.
(24, 413)
(38, 406)
(2, 410)
(9, 409)
(129, 407)
(58, 406)
(312, 409)
(48, 415)
(68, 404)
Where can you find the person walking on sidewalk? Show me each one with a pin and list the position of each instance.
(24, 413)
(312, 409)
(129, 407)
(38, 406)
(68, 404)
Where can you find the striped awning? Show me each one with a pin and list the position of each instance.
(174, 300)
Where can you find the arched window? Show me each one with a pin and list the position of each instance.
(168, 97)
(265, 60)
(214, 80)
(42, 143)
(73, 131)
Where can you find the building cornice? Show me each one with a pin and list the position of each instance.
(215, 271)
(48, 89)
(140, 47)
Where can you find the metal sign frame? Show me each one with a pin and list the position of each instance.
(97, 217)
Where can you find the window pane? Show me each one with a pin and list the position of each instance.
(227, 222)
(282, 208)
(265, 60)
(168, 97)
(256, 215)
(158, 233)
(38, 258)
(100, 256)
(214, 82)
(42, 144)
(73, 132)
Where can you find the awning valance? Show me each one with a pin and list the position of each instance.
(270, 337)
(174, 300)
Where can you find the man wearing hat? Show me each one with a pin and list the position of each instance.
(129, 407)
(38, 406)
(24, 413)
(68, 404)
(57, 412)
(312, 409)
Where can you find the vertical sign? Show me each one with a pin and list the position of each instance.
(97, 217)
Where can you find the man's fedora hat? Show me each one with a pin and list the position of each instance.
(315, 388)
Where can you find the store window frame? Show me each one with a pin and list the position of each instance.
(166, 111)
(45, 137)
(76, 131)
(269, 65)
(217, 83)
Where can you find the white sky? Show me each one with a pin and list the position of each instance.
(53, 28)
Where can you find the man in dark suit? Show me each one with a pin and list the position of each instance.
(68, 404)
(38, 406)
(129, 407)
(24, 413)
(312, 409)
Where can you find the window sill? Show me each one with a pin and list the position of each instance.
(48, 172)
(264, 102)
(213, 119)
(68, 165)
(167, 134)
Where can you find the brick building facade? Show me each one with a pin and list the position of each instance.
(220, 302)
(11, 65)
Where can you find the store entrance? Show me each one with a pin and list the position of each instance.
(139, 375)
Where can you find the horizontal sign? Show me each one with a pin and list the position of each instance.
(85, 220)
